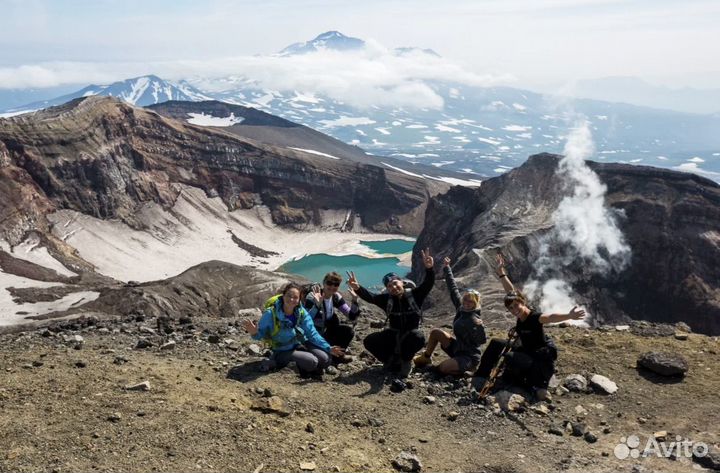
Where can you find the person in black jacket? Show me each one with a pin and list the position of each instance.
(463, 347)
(531, 363)
(321, 303)
(396, 345)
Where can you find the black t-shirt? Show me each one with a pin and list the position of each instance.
(531, 332)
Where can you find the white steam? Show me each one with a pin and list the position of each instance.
(585, 234)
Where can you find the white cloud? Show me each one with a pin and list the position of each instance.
(695, 169)
(371, 76)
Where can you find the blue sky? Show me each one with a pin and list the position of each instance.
(531, 41)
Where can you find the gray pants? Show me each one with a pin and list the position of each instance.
(310, 360)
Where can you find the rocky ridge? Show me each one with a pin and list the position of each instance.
(669, 220)
(104, 158)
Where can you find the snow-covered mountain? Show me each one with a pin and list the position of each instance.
(141, 91)
(330, 40)
(491, 130)
(472, 129)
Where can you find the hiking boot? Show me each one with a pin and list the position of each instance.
(267, 366)
(405, 369)
(392, 364)
(542, 394)
(422, 360)
(342, 359)
(397, 386)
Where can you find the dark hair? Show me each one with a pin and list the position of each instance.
(390, 277)
(511, 297)
(332, 276)
(290, 285)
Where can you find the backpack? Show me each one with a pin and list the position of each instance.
(322, 316)
(411, 302)
(270, 304)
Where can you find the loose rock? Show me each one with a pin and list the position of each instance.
(663, 363)
(575, 382)
(508, 401)
(407, 462)
(603, 384)
(578, 429)
(271, 405)
(144, 386)
(710, 460)
(254, 349)
(142, 344)
(555, 430)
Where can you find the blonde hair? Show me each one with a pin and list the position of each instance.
(474, 295)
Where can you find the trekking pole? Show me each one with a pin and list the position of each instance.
(497, 369)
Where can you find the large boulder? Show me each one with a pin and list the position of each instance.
(664, 363)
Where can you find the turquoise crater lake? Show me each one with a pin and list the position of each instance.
(369, 271)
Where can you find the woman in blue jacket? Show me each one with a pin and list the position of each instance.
(292, 336)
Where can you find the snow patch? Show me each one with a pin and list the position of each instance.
(208, 120)
(347, 121)
(517, 128)
(318, 153)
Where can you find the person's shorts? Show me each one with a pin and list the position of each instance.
(466, 361)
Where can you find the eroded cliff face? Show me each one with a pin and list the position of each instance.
(670, 220)
(104, 158)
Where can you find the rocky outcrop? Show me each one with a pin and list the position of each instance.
(211, 289)
(104, 158)
(669, 220)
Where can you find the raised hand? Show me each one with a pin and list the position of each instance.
(250, 326)
(352, 281)
(427, 258)
(317, 293)
(500, 260)
(576, 313)
(446, 262)
(353, 294)
(337, 351)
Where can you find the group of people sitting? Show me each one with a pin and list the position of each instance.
(303, 326)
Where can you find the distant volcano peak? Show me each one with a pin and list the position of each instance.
(330, 40)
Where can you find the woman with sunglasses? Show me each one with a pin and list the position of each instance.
(321, 303)
(463, 347)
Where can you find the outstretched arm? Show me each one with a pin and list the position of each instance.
(426, 286)
(450, 282)
(354, 307)
(379, 300)
(574, 314)
(502, 274)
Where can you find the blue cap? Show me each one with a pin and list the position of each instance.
(389, 277)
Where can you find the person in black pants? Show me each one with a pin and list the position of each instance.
(531, 363)
(396, 345)
(321, 303)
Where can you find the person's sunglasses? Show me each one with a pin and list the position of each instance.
(333, 284)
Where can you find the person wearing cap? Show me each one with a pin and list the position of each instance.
(321, 303)
(396, 345)
(464, 346)
(531, 363)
